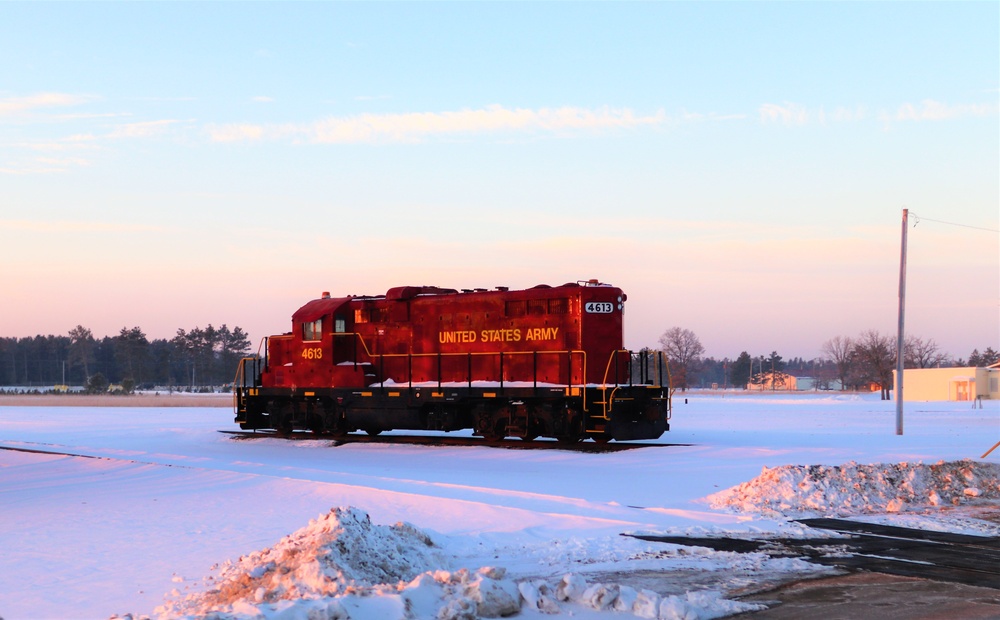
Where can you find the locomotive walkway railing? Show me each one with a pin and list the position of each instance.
(247, 381)
(646, 368)
(643, 363)
(576, 362)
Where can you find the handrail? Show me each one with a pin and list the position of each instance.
(236, 381)
(613, 359)
(239, 398)
(606, 401)
(240, 380)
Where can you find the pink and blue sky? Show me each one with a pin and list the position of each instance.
(740, 169)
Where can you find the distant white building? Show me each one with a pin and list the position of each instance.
(958, 384)
(806, 384)
(773, 381)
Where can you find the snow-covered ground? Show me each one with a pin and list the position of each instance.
(156, 513)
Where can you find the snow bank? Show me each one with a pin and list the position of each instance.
(851, 489)
(342, 567)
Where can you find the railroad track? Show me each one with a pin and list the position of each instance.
(939, 556)
(441, 440)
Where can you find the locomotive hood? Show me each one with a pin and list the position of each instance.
(318, 308)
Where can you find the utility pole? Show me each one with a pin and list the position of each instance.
(899, 336)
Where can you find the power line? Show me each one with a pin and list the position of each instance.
(927, 219)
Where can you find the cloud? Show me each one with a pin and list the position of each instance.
(263, 99)
(414, 126)
(44, 164)
(19, 105)
(930, 110)
(710, 116)
(235, 133)
(847, 115)
(47, 164)
(144, 129)
(787, 114)
(76, 227)
(794, 114)
(30, 169)
(76, 142)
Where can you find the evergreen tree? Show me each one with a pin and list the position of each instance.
(81, 349)
(741, 370)
(132, 354)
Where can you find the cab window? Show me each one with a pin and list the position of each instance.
(312, 330)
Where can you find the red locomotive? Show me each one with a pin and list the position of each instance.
(541, 362)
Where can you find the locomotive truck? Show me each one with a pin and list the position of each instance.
(547, 361)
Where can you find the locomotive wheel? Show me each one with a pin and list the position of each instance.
(568, 440)
(284, 426)
(316, 425)
(602, 438)
(496, 434)
(283, 420)
(529, 437)
(373, 431)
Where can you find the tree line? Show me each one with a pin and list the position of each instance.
(863, 362)
(208, 357)
(191, 359)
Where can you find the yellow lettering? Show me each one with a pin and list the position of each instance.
(540, 333)
(453, 337)
(510, 334)
(501, 335)
(312, 353)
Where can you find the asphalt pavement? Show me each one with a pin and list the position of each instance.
(863, 595)
(893, 573)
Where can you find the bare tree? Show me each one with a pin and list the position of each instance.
(876, 358)
(920, 353)
(683, 350)
(840, 350)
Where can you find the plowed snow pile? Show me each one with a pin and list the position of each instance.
(342, 567)
(852, 489)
